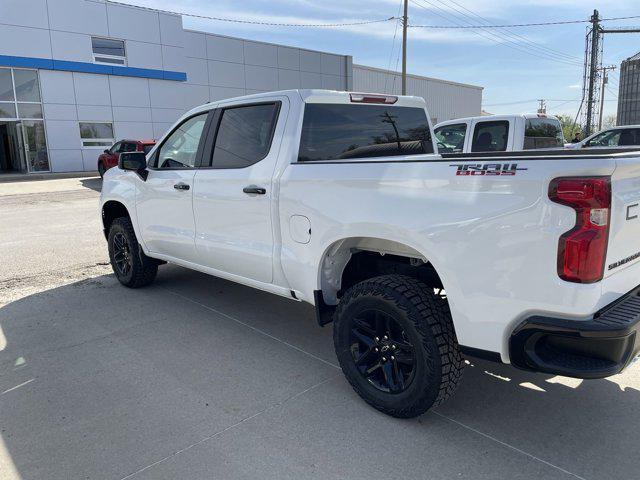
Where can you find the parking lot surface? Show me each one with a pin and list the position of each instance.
(198, 378)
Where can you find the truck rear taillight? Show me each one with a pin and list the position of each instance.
(582, 250)
(370, 98)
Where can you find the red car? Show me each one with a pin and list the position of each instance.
(109, 158)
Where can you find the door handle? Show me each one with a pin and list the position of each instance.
(253, 189)
(181, 186)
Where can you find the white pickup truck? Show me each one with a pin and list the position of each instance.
(499, 133)
(337, 199)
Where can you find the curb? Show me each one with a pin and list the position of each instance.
(28, 177)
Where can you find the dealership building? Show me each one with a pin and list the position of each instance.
(78, 75)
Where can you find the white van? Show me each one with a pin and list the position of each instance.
(499, 133)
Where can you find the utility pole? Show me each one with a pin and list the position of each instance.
(542, 108)
(593, 69)
(605, 80)
(404, 47)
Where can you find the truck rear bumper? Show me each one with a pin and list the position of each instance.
(596, 348)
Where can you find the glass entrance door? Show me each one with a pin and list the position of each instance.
(35, 145)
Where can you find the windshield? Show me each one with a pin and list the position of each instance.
(451, 137)
(543, 133)
(615, 138)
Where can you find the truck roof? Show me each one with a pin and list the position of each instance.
(330, 96)
(489, 118)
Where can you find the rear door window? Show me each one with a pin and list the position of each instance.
(490, 136)
(629, 137)
(244, 135)
(339, 131)
(542, 133)
(450, 138)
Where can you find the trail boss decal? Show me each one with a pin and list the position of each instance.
(487, 169)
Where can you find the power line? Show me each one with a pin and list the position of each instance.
(493, 36)
(612, 92)
(393, 43)
(532, 100)
(255, 22)
(364, 22)
(512, 25)
(487, 34)
(555, 107)
(515, 36)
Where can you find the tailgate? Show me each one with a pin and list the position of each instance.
(624, 238)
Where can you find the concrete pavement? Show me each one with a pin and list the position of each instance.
(198, 378)
(49, 226)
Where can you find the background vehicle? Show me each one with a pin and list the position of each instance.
(616, 137)
(109, 158)
(338, 200)
(499, 133)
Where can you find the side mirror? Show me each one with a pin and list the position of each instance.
(106, 151)
(134, 161)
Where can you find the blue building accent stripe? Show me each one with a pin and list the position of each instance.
(86, 67)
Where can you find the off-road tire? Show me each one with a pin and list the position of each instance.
(426, 320)
(143, 270)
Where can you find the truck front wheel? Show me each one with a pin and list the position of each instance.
(396, 345)
(132, 267)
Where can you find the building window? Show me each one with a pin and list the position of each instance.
(20, 94)
(96, 135)
(108, 51)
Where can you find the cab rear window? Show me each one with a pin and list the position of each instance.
(490, 136)
(542, 133)
(338, 131)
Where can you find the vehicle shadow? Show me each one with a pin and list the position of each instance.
(584, 426)
(96, 380)
(94, 183)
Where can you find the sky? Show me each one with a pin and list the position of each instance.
(516, 66)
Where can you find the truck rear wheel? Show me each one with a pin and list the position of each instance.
(132, 267)
(396, 345)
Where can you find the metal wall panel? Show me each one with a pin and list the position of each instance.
(54, 36)
(445, 100)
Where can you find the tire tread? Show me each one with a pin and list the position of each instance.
(145, 269)
(433, 319)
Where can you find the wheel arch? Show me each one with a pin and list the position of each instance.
(111, 210)
(338, 259)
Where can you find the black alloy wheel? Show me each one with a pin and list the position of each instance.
(132, 267)
(122, 254)
(381, 351)
(396, 344)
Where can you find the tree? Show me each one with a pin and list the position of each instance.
(568, 128)
(609, 121)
